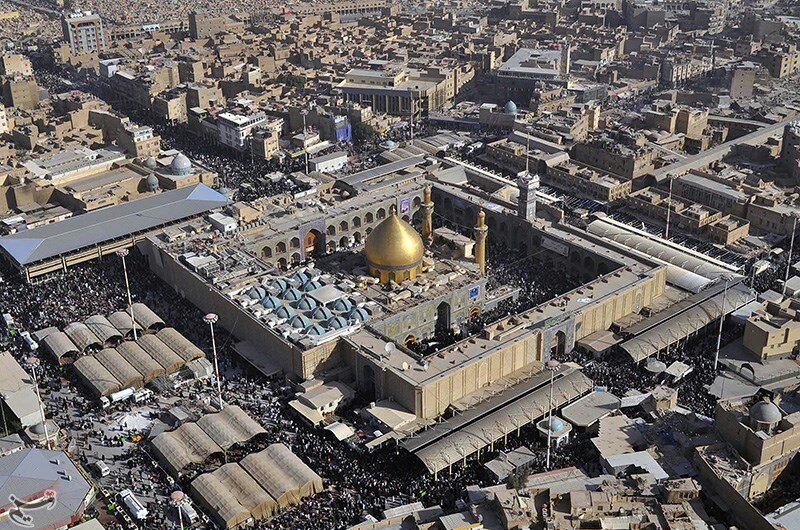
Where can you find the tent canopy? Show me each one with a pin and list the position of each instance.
(121, 369)
(141, 360)
(96, 376)
(60, 345)
(180, 344)
(163, 355)
(103, 329)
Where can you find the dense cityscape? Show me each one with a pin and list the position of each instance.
(367, 264)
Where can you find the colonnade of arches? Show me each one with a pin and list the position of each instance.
(340, 234)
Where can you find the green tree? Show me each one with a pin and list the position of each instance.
(362, 133)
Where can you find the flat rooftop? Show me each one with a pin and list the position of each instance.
(507, 330)
(82, 231)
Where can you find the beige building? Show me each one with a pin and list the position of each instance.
(625, 157)
(21, 93)
(14, 64)
(763, 435)
(773, 331)
(687, 216)
(401, 91)
(587, 182)
(781, 62)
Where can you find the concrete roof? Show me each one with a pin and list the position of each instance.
(99, 226)
(17, 387)
(591, 408)
(27, 474)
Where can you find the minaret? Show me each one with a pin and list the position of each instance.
(527, 184)
(565, 57)
(480, 242)
(427, 216)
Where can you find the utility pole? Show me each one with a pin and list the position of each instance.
(669, 208)
(721, 321)
(304, 112)
(212, 318)
(552, 365)
(789, 259)
(122, 253)
(33, 362)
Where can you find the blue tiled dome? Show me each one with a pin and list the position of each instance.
(279, 284)
(311, 285)
(316, 329)
(337, 323)
(359, 313)
(271, 302)
(306, 303)
(321, 313)
(300, 322)
(285, 312)
(342, 304)
(301, 277)
(256, 293)
(291, 294)
(557, 425)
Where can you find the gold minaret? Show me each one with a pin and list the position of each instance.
(427, 216)
(480, 242)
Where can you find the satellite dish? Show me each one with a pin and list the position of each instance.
(404, 366)
(390, 348)
(655, 366)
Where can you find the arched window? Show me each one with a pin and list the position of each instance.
(266, 252)
(331, 231)
(295, 243)
(281, 247)
(343, 226)
(381, 213)
(369, 217)
(356, 222)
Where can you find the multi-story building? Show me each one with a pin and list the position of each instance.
(83, 32)
(139, 142)
(790, 149)
(14, 64)
(773, 331)
(399, 91)
(620, 155)
(171, 106)
(676, 71)
(587, 182)
(266, 141)
(781, 61)
(687, 216)
(21, 93)
(711, 192)
(3, 120)
(235, 128)
(203, 24)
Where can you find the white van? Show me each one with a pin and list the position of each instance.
(102, 469)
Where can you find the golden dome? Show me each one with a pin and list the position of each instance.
(394, 245)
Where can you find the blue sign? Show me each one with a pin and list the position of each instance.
(405, 205)
(474, 292)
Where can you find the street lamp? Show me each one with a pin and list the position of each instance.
(177, 500)
(552, 365)
(33, 362)
(212, 318)
(122, 253)
(304, 112)
(4, 397)
(789, 260)
(669, 206)
(721, 320)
